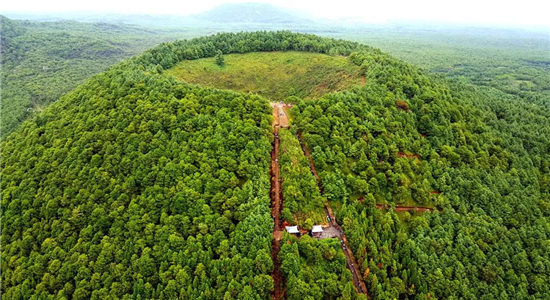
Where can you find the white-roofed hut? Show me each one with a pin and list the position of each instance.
(316, 231)
(292, 229)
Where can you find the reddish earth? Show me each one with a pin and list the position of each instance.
(278, 292)
(435, 192)
(401, 154)
(363, 80)
(280, 113)
(402, 105)
(350, 258)
(407, 208)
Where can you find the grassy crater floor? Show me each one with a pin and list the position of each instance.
(275, 75)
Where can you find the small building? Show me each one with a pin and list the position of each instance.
(316, 231)
(292, 229)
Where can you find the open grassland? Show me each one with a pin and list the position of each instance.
(276, 75)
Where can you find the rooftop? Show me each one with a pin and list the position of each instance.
(292, 229)
(317, 228)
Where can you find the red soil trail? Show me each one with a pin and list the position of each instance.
(363, 80)
(280, 114)
(278, 281)
(407, 208)
(350, 258)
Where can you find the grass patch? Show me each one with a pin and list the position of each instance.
(275, 75)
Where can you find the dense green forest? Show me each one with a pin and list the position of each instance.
(303, 203)
(41, 61)
(135, 184)
(48, 59)
(490, 240)
(512, 60)
(138, 186)
(315, 269)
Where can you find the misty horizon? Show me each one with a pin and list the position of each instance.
(467, 13)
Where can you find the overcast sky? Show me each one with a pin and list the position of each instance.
(525, 12)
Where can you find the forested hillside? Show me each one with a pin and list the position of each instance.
(406, 138)
(315, 269)
(141, 186)
(303, 203)
(138, 186)
(41, 61)
(511, 60)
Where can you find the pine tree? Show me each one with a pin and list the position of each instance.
(220, 61)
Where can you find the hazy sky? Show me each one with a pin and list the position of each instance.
(526, 12)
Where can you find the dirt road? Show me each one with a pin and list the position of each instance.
(280, 120)
(278, 281)
(280, 115)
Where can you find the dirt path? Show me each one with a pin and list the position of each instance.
(358, 281)
(407, 208)
(363, 80)
(280, 115)
(278, 281)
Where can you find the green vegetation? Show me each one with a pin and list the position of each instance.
(315, 269)
(220, 61)
(41, 61)
(303, 203)
(137, 185)
(514, 61)
(493, 183)
(380, 244)
(113, 198)
(276, 75)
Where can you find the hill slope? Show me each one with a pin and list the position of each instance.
(41, 61)
(137, 185)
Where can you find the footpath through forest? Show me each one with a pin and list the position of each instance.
(407, 208)
(280, 120)
(352, 264)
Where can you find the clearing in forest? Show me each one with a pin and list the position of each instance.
(275, 75)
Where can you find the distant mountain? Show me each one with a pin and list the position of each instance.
(249, 12)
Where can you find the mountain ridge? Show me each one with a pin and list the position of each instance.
(253, 12)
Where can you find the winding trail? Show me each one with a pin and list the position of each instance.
(358, 281)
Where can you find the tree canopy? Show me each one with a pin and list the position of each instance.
(138, 186)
